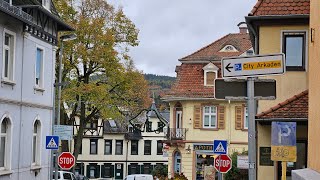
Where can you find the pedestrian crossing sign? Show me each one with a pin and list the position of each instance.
(220, 147)
(52, 142)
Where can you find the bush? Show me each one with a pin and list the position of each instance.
(160, 171)
(236, 173)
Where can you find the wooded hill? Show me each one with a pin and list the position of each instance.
(164, 81)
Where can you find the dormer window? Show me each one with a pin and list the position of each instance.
(210, 74)
(228, 48)
(46, 4)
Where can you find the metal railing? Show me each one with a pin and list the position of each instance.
(176, 133)
(15, 11)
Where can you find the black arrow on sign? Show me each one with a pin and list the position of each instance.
(228, 67)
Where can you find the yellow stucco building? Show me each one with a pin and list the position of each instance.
(282, 27)
(196, 117)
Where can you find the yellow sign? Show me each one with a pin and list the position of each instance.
(262, 65)
(284, 153)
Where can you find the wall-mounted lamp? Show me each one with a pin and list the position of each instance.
(312, 34)
(188, 149)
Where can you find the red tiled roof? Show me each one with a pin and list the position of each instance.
(190, 76)
(281, 7)
(190, 83)
(295, 107)
(211, 52)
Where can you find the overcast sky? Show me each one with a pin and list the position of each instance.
(172, 29)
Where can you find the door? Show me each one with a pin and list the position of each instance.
(177, 162)
(178, 127)
(118, 171)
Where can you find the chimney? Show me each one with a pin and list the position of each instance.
(243, 28)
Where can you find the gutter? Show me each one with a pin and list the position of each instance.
(283, 119)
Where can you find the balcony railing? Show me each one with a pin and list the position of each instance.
(176, 133)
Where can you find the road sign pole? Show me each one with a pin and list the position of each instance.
(284, 170)
(251, 129)
(219, 173)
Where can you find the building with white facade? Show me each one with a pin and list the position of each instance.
(28, 44)
(113, 150)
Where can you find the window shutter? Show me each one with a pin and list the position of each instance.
(197, 123)
(102, 170)
(88, 170)
(221, 117)
(112, 170)
(239, 117)
(97, 173)
(129, 170)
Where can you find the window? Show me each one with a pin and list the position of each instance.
(159, 148)
(93, 170)
(107, 147)
(147, 168)
(160, 126)
(294, 47)
(5, 135)
(107, 170)
(229, 48)
(119, 147)
(36, 143)
(93, 146)
(93, 124)
(246, 118)
(134, 147)
(147, 147)
(210, 74)
(130, 128)
(8, 55)
(149, 127)
(39, 67)
(210, 117)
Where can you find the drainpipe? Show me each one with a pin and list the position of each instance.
(229, 114)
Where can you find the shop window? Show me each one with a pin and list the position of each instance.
(205, 166)
(107, 170)
(147, 147)
(147, 168)
(294, 47)
(93, 170)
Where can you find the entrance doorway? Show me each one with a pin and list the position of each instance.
(205, 167)
(177, 162)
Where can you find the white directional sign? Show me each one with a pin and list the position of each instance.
(250, 66)
(63, 131)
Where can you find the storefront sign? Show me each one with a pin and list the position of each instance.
(265, 156)
(203, 147)
(242, 162)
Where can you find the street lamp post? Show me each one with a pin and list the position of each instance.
(63, 38)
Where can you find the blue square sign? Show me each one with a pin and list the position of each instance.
(52, 142)
(220, 147)
(283, 134)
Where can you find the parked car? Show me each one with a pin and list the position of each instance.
(65, 175)
(139, 177)
(81, 177)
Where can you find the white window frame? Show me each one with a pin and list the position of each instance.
(205, 77)
(245, 117)
(233, 49)
(37, 161)
(40, 85)
(12, 51)
(209, 114)
(8, 148)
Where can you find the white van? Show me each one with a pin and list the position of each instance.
(64, 175)
(139, 177)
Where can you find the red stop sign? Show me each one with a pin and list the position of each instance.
(223, 163)
(66, 160)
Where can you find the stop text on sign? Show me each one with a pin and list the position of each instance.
(223, 163)
(66, 160)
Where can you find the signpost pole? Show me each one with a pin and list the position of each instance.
(251, 129)
(219, 173)
(284, 170)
